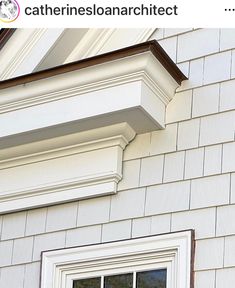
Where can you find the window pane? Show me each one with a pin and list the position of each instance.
(87, 283)
(151, 279)
(119, 281)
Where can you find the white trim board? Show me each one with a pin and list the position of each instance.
(25, 49)
(97, 41)
(82, 165)
(172, 251)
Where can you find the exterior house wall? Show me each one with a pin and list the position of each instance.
(175, 179)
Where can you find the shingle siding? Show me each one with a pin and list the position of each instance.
(175, 179)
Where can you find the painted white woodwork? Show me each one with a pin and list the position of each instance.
(25, 49)
(62, 137)
(31, 50)
(63, 47)
(97, 41)
(65, 168)
(214, 228)
(170, 251)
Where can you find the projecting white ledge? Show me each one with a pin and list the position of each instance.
(63, 130)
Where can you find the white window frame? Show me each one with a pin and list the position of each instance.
(171, 251)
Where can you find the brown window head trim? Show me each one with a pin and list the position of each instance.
(152, 46)
(5, 35)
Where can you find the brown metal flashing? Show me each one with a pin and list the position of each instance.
(5, 35)
(152, 46)
(193, 247)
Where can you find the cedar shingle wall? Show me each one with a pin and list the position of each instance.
(176, 179)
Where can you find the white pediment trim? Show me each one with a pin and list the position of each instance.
(25, 50)
(97, 41)
(27, 47)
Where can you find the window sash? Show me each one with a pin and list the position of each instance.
(167, 265)
(134, 276)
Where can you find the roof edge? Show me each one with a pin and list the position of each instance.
(152, 46)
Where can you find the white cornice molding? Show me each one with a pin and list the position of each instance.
(21, 101)
(142, 67)
(62, 137)
(171, 251)
(77, 166)
(51, 148)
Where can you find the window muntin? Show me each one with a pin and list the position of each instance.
(144, 279)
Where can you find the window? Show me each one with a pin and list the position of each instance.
(144, 279)
(162, 261)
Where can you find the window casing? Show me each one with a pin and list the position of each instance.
(173, 252)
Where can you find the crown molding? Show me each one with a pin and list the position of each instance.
(131, 66)
(72, 164)
(114, 78)
(75, 143)
(136, 83)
